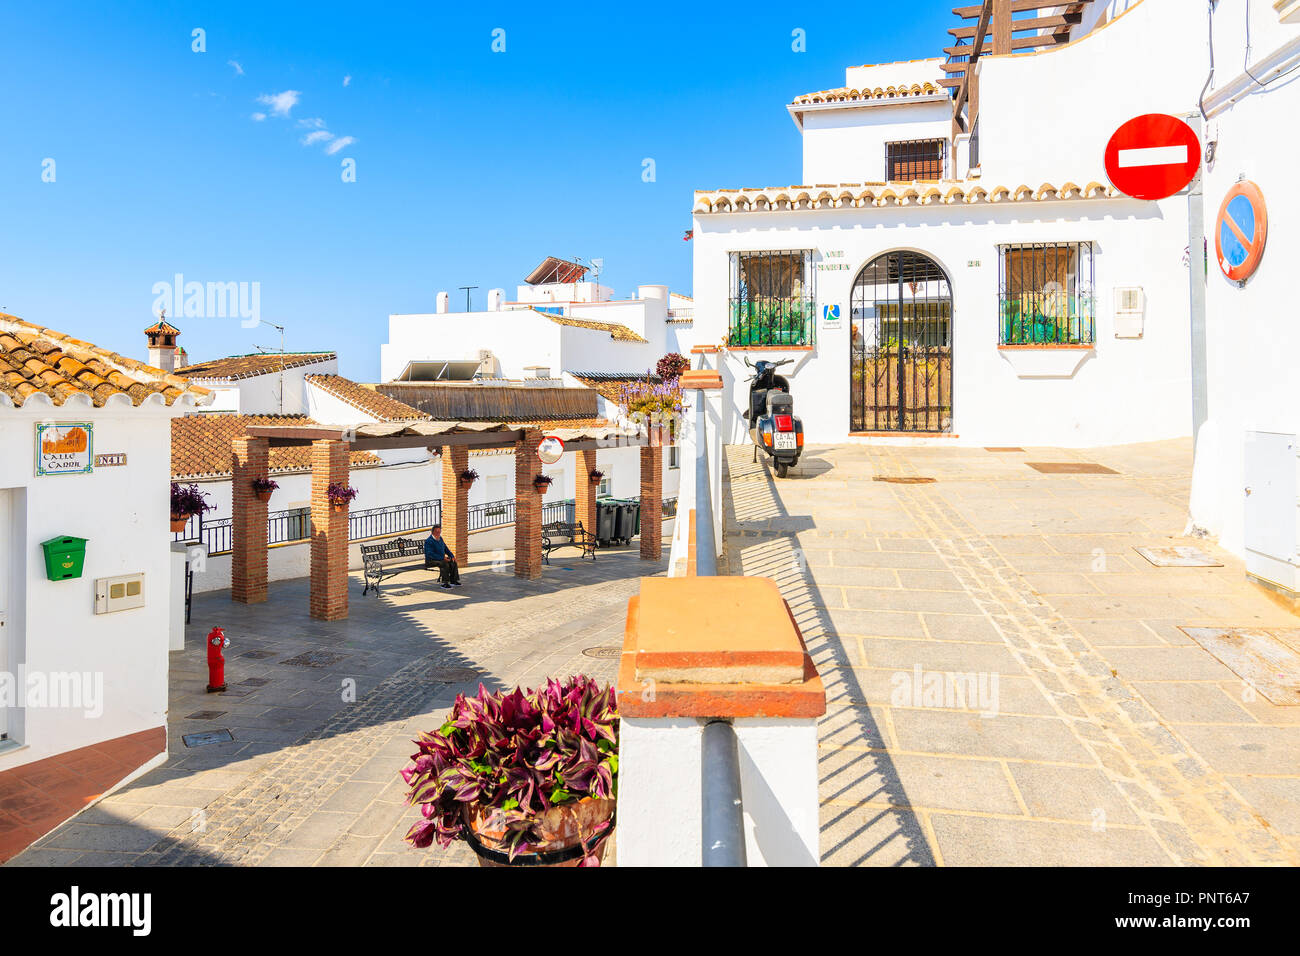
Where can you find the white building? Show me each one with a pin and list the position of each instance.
(972, 285)
(557, 322)
(83, 660)
(1245, 487)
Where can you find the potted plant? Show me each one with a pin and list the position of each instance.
(187, 501)
(596, 476)
(542, 482)
(262, 487)
(527, 778)
(340, 495)
(468, 477)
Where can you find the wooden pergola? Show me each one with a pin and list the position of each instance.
(331, 446)
(997, 30)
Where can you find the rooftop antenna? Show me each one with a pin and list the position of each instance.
(280, 329)
(466, 289)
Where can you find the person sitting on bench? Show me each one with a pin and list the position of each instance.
(436, 553)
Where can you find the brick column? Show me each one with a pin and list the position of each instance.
(652, 502)
(455, 502)
(248, 522)
(528, 508)
(584, 489)
(329, 533)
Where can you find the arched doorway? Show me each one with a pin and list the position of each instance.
(900, 360)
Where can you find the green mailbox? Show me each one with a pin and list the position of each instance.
(64, 557)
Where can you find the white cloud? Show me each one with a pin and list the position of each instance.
(258, 117)
(314, 122)
(239, 70)
(280, 103)
(341, 143)
(319, 136)
(347, 79)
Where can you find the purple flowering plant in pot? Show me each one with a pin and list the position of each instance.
(262, 487)
(186, 501)
(526, 778)
(340, 495)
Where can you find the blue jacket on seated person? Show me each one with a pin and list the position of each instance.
(435, 549)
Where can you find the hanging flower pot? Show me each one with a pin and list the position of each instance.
(340, 495)
(263, 487)
(541, 483)
(468, 477)
(186, 501)
(596, 476)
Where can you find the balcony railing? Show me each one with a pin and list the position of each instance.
(773, 322)
(294, 524)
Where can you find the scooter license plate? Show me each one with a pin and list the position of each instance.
(783, 441)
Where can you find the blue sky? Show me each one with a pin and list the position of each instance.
(471, 165)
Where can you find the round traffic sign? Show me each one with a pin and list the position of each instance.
(550, 450)
(1240, 231)
(1152, 156)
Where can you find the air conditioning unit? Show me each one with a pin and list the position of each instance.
(1130, 309)
(487, 363)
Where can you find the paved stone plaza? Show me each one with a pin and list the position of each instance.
(1116, 740)
(312, 778)
(1111, 736)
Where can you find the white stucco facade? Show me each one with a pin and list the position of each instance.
(50, 628)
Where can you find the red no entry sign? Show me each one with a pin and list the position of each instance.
(1152, 156)
(1240, 231)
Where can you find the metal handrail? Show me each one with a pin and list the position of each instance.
(723, 806)
(723, 819)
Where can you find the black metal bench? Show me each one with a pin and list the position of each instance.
(383, 559)
(558, 534)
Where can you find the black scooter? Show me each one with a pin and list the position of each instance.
(773, 425)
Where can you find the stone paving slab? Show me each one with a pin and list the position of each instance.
(311, 776)
(1117, 740)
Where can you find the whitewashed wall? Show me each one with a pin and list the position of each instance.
(846, 144)
(1129, 390)
(261, 394)
(1253, 338)
(52, 627)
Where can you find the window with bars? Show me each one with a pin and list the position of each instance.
(1045, 293)
(772, 298)
(915, 160)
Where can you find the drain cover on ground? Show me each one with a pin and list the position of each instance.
(255, 681)
(208, 737)
(1179, 557)
(1007, 448)
(904, 479)
(453, 675)
(205, 715)
(257, 655)
(1070, 468)
(1257, 656)
(603, 652)
(314, 659)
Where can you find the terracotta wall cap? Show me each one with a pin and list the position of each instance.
(701, 378)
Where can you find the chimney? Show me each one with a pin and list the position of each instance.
(495, 299)
(162, 343)
(443, 302)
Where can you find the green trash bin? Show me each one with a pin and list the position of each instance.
(64, 557)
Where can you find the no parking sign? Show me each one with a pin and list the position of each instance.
(1240, 231)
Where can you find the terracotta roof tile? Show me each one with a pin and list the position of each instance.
(846, 94)
(366, 398)
(248, 366)
(201, 445)
(863, 195)
(38, 361)
(618, 332)
(610, 384)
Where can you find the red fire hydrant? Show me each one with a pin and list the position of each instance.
(217, 642)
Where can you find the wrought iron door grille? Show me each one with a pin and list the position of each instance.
(915, 159)
(900, 360)
(772, 298)
(1045, 294)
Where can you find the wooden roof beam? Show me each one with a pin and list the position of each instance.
(1017, 6)
(1054, 22)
